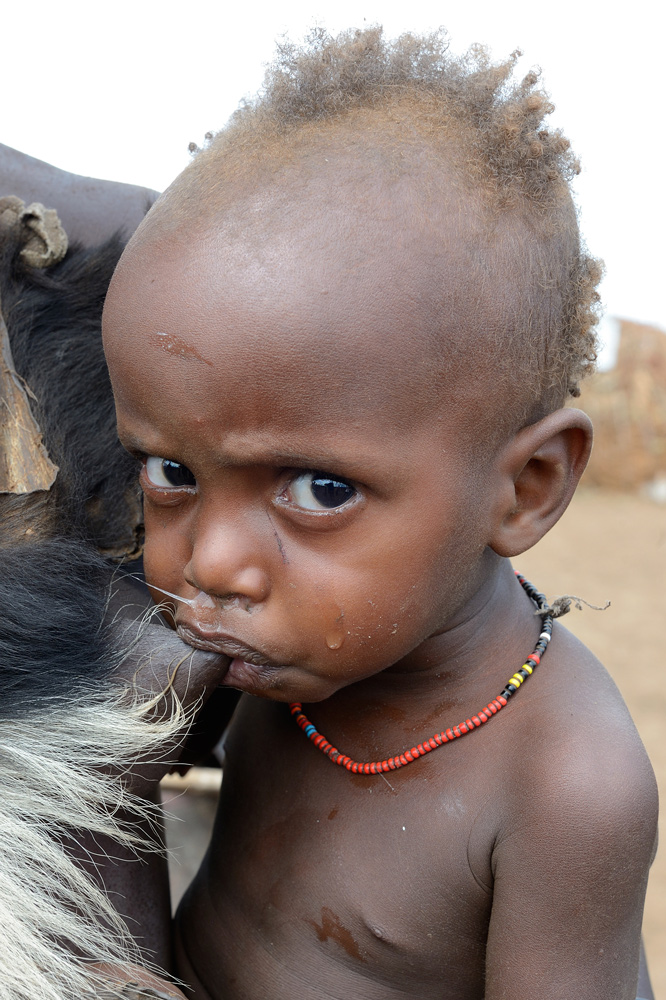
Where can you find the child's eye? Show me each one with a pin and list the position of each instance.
(165, 474)
(319, 491)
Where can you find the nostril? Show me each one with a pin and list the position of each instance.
(230, 601)
(224, 585)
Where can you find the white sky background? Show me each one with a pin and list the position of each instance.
(118, 90)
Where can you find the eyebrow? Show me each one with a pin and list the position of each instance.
(299, 460)
(323, 460)
(132, 444)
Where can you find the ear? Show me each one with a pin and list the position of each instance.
(539, 470)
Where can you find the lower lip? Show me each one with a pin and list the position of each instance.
(249, 676)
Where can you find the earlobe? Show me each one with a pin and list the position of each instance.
(539, 470)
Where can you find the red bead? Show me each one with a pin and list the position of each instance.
(392, 763)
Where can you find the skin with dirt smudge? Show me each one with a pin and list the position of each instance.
(327, 481)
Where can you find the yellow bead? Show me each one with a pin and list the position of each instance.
(516, 679)
(528, 668)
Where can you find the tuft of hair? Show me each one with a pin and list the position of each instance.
(59, 774)
(496, 121)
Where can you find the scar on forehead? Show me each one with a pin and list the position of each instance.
(178, 347)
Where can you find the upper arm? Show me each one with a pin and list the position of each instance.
(570, 870)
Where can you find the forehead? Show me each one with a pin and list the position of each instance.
(342, 290)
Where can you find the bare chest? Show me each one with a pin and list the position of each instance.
(382, 884)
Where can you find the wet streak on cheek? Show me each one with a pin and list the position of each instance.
(178, 347)
(336, 636)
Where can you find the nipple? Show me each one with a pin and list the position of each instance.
(334, 639)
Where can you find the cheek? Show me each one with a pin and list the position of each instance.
(401, 593)
(166, 552)
(377, 611)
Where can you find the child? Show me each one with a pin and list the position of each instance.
(341, 344)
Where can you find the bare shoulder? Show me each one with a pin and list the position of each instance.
(575, 840)
(584, 766)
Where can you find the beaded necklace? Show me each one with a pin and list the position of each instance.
(439, 739)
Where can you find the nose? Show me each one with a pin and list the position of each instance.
(226, 564)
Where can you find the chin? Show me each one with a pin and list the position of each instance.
(284, 684)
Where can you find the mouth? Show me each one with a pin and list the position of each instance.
(221, 642)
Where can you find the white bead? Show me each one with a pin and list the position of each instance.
(546, 635)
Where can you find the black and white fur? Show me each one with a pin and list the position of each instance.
(68, 729)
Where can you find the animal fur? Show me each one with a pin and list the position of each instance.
(58, 774)
(54, 320)
(68, 730)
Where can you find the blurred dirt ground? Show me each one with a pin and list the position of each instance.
(608, 546)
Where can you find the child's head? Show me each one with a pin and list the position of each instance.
(373, 274)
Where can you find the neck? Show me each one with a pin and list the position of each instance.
(465, 662)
